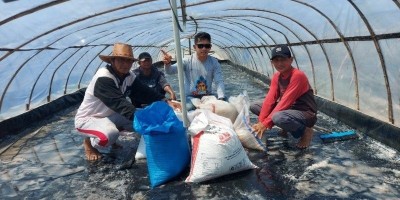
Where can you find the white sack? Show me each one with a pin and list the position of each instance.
(242, 124)
(217, 150)
(218, 107)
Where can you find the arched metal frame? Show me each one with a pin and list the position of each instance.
(318, 42)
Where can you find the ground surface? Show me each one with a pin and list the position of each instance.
(48, 162)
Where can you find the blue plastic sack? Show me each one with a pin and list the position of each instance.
(167, 146)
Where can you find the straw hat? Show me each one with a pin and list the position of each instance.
(120, 50)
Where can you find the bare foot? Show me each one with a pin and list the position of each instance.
(305, 140)
(91, 152)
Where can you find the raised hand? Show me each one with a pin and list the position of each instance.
(166, 58)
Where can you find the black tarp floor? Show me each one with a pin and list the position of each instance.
(48, 162)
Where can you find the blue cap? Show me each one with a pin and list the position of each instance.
(281, 51)
(143, 56)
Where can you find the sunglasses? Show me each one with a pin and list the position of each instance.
(200, 46)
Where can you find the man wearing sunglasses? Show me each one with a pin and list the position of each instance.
(198, 67)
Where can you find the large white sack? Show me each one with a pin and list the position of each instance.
(217, 150)
(190, 114)
(197, 102)
(218, 107)
(242, 125)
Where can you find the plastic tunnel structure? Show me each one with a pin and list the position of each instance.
(349, 49)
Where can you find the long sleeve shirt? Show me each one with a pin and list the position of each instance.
(196, 72)
(290, 91)
(107, 94)
(156, 81)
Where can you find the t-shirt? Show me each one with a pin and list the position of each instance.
(200, 76)
(155, 81)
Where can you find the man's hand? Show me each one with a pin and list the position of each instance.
(166, 58)
(194, 93)
(175, 105)
(171, 93)
(172, 96)
(259, 128)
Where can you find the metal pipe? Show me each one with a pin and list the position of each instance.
(179, 63)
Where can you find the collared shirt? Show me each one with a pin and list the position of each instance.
(107, 94)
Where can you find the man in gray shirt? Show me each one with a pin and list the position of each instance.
(200, 69)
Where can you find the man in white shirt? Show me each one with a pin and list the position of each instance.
(200, 70)
(105, 108)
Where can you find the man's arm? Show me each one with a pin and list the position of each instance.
(219, 81)
(298, 86)
(269, 103)
(166, 86)
(138, 88)
(171, 69)
(106, 90)
(167, 59)
(171, 93)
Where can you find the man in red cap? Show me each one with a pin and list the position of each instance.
(289, 103)
(105, 109)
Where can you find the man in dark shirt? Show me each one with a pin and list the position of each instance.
(149, 75)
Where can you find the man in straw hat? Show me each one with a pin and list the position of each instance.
(105, 109)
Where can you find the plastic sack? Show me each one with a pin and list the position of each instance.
(167, 147)
(216, 148)
(242, 123)
(141, 150)
(219, 107)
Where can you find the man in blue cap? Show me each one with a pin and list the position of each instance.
(289, 103)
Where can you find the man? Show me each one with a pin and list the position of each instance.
(197, 68)
(289, 103)
(105, 108)
(149, 75)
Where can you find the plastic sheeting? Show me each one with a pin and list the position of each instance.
(348, 48)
